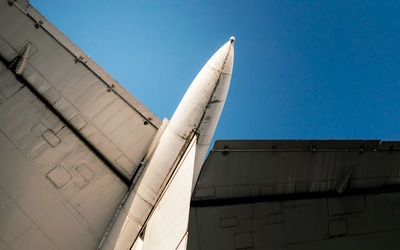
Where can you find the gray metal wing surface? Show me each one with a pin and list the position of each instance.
(71, 137)
(297, 195)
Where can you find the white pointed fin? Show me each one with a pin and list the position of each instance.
(167, 226)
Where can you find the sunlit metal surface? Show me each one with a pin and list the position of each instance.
(167, 226)
(97, 106)
(71, 137)
(196, 115)
(54, 191)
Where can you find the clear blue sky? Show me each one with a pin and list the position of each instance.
(303, 69)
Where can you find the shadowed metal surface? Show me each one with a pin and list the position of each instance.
(297, 194)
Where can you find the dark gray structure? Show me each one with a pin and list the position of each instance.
(298, 194)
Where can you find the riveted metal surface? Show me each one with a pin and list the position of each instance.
(54, 191)
(193, 112)
(258, 168)
(96, 105)
(283, 195)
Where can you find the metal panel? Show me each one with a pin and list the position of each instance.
(306, 224)
(172, 212)
(261, 168)
(54, 191)
(116, 124)
(283, 195)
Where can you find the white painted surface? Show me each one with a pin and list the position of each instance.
(196, 113)
(168, 224)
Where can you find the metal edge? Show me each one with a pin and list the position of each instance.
(91, 65)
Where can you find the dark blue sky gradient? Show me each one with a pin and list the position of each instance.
(303, 69)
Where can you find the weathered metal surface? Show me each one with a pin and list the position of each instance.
(98, 107)
(370, 222)
(55, 193)
(71, 137)
(259, 168)
(212, 113)
(289, 194)
(172, 213)
(194, 115)
(83, 138)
